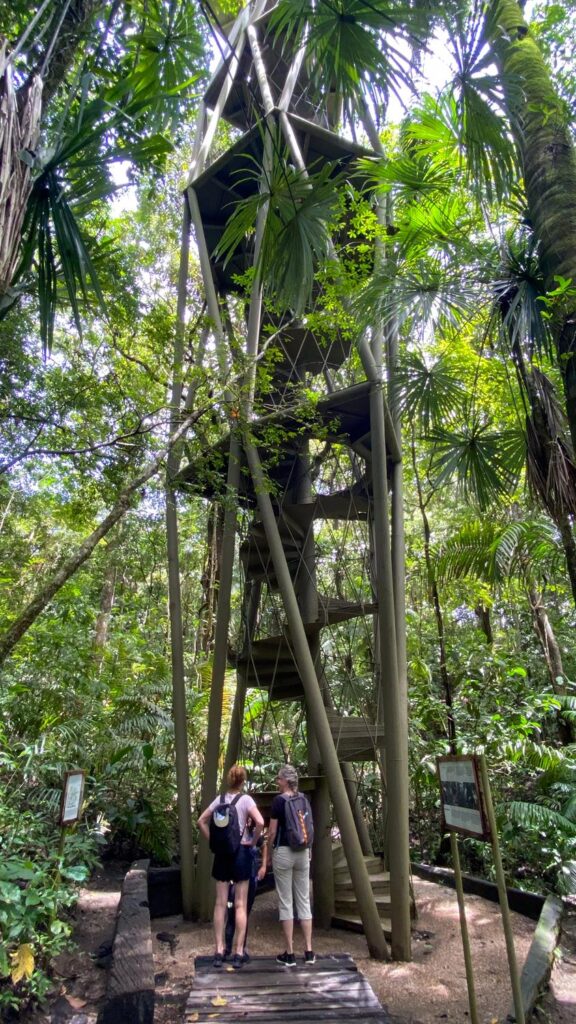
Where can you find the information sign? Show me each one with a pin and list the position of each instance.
(72, 795)
(461, 794)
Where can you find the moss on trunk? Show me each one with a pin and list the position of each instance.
(540, 123)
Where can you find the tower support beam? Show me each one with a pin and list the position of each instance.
(352, 849)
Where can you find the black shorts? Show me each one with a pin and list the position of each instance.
(234, 869)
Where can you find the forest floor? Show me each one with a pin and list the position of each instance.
(430, 989)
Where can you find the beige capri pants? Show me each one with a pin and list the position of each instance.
(292, 876)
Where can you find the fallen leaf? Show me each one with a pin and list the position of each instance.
(76, 1003)
(22, 962)
(230, 970)
(219, 1001)
(192, 1016)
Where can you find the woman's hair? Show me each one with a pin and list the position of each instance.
(289, 774)
(236, 776)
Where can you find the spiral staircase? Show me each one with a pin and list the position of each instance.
(263, 92)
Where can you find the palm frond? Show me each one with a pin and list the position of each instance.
(424, 293)
(519, 296)
(537, 816)
(428, 392)
(484, 140)
(468, 552)
(353, 46)
(300, 211)
(473, 457)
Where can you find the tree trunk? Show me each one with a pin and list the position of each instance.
(542, 132)
(482, 613)
(19, 131)
(434, 597)
(210, 580)
(569, 544)
(552, 655)
(106, 603)
(22, 112)
(28, 617)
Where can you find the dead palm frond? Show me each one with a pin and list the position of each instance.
(19, 133)
(551, 467)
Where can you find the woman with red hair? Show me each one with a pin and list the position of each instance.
(235, 867)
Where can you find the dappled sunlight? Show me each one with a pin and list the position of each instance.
(97, 900)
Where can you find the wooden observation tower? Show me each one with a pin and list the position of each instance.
(261, 89)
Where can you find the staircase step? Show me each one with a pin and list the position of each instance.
(373, 866)
(356, 739)
(348, 905)
(353, 923)
(380, 883)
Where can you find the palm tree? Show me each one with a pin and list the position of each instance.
(83, 84)
(542, 132)
(498, 551)
(551, 465)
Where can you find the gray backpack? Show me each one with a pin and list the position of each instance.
(298, 826)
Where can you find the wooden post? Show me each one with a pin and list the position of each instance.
(394, 701)
(322, 864)
(174, 595)
(202, 149)
(502, 894)
(360, 878)
(464, 929)
(251, 601)
(204, 886)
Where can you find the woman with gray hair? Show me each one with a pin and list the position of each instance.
(291, 872)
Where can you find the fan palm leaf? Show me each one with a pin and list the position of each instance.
(301, 208)
(354, 46)
(428, 392)
(483, 136)
(423, 294)
(484, 463)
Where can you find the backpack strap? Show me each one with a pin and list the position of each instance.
(236, 799)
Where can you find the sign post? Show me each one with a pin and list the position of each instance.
(462, 811)
(72, 794)
(70, 806)
(503, 897)
(467, 809)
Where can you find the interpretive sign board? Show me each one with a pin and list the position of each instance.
(461, 795)
(72, 795)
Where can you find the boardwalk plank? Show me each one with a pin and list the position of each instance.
(330, 990)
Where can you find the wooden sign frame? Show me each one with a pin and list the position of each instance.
(462, 797)
(72, 797)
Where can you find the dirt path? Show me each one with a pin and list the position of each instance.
(429, 990)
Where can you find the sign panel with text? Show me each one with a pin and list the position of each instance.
(461, 795)
(72, 796)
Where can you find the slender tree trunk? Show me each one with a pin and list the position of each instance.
(541, 129)
(210, 580)
(552, 655)
(434, 597)
(126, 500)
(106, 603)
(482, 613)
(569, 544)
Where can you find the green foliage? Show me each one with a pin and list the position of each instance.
(353, 46)
(299, 210)
(37, 884)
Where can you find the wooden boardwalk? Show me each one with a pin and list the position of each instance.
(332, 989)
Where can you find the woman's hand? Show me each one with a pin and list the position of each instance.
(261, 873)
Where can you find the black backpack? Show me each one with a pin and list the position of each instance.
(225, 828)
(298, 825)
